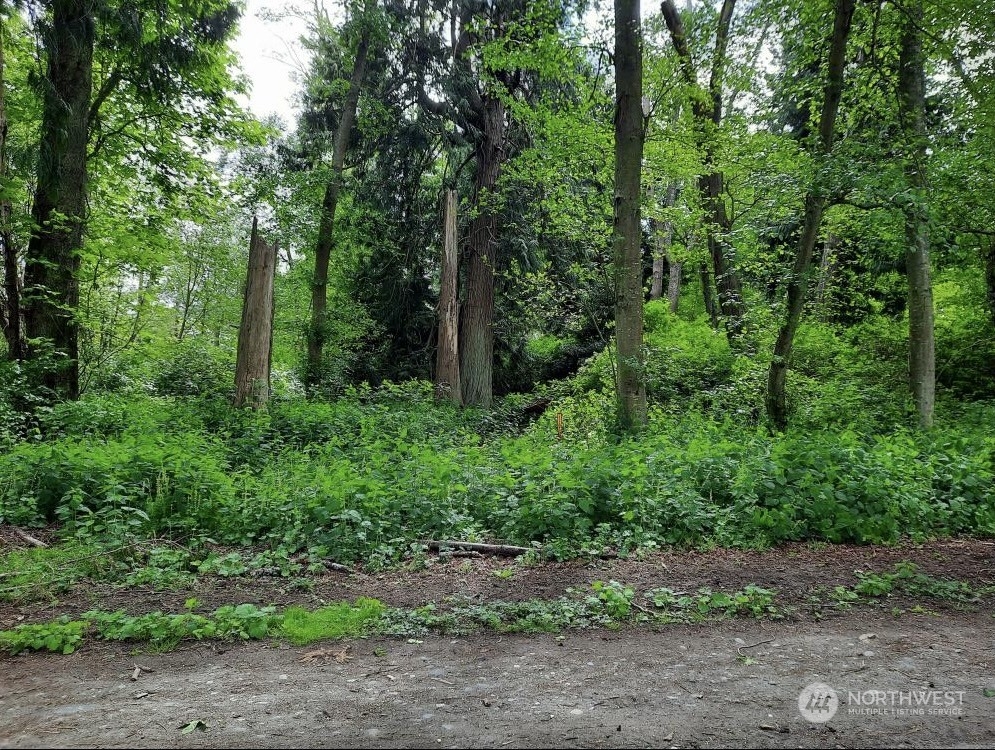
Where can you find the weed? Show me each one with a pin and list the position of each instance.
(908, 580)
(62, 636)
(164, 631)
(341, 620)
(38, 573)
(615, 598)
(705, 603)
(228, 565)
(529, 559)
(844, 597)
(371, 473)
(418, 621)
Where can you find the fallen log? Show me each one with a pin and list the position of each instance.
(501, 550)
(337, 567)
(28, 538)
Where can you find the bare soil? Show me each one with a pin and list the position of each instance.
(735, 682)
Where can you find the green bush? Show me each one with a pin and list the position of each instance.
(102, 415)
(965, 338)
(685, 360)
(194, 367)
(177, 481)
(367, 476)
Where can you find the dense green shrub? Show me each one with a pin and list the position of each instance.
(965, 338)
(836, 374)
(179, 481)
(193, 367)
(368, 475)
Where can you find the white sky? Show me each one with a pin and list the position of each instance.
(271, 56)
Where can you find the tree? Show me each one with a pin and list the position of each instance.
(912, 112)
(815, 203)
(255, 334)
(627, 228)
(153, 57)
(51, 286)
(479, 78)
(10, 311)
(706, 107)
(326, 229)
(447, 374)
(663, 233)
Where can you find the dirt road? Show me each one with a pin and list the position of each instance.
(908, 670)
(736, 683)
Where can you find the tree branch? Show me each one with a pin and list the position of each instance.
(105, 90)
(719, 58)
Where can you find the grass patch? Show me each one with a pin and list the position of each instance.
(602, 604)
(906, 579)
(340, 620)
(39, 572)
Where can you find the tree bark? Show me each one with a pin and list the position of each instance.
(255, 334)
(815, 203)
(11, 315)
(476, 339)
(663, 233)
(707, 110)
(326, 228)
(51, 287)
(727, 282)
(674, 285)
(627, 230)
(988, 257)
(659, 258)
(826, 266)
(708, 295)
(912, 98)
(447, 376)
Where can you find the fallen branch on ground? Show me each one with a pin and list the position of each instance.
(502, 550)
(28, 538)
(337, 567)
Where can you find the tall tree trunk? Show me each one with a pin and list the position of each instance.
(447, 380)
(988, 258)
(658, 256)
(255, 334)
(326, 228)
(674, 285)
(707, 110)
(476, 322)
(727, 282)
(815, 203)
(826, 265)
(11, 315)
(912, 97)
(51, 287)
(708, 295)
(627, 231)
(663, 233)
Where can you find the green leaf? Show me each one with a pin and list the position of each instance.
(195, 724)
